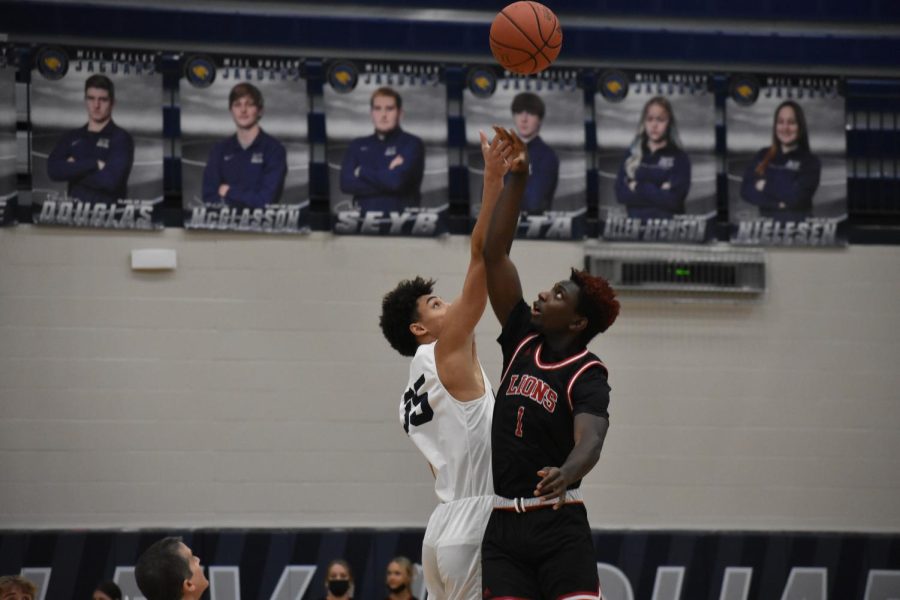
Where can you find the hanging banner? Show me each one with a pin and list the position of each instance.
(387, 148)
(656, 157)
(8, 193)
(787, 170)
(97, 144)
(245, 149)
(547, 112)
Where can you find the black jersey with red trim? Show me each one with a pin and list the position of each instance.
(540, 393)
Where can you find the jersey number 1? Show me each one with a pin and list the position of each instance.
(519, 415)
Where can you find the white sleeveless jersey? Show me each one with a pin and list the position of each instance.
(454, 436)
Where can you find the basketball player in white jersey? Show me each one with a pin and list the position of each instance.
(448, 404)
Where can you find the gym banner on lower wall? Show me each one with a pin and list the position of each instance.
(96, 142)
(656, 157)
(387, 148)
(787, 166)
(291, 564)
(245, 148)
(547, 112)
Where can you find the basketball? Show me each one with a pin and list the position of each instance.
(526, 37)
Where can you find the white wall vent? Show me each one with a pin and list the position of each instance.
(694, 270)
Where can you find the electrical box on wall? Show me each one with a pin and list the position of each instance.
(700, 270)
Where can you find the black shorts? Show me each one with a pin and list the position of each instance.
(541, 554)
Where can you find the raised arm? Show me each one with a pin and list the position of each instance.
(504, 287)
(465, 312)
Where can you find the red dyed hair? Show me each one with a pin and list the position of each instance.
(596, 302)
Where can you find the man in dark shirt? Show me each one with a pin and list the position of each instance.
(95, 160)
(528, 115)
(246, 170)
(550, 419)
(384, 171)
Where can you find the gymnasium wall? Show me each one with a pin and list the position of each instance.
(251, 387)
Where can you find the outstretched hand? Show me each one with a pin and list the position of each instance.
(518, 153)
(496, 156)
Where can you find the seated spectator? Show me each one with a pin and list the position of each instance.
(338, 580)
(399, 579)
(16, 587)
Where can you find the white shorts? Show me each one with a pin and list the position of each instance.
(451, 550)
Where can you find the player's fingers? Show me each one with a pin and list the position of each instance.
(561, 502)
(484, 140)
(553, 493)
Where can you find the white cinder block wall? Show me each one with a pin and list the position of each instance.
(252, 387)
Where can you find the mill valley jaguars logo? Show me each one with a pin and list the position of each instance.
(482, 82)
(343, 77)
(744, 90)
(614, 86)
(200, 71)
(52, 63)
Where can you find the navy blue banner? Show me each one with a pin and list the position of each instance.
(290, 564)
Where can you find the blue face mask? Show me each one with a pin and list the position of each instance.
(338, 587)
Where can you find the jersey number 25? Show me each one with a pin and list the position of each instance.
(416, 409)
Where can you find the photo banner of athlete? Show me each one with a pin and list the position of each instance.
(245, 149)
(787, 166)
(97, 139)
(387, 148)
(547, 112)
(656, 157)
(8, 194)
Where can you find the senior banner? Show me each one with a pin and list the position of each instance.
(387, 148)
(787, 167)
(244, 150)
(547, 112)
(97, 144)
(656, 156)
(8, 194)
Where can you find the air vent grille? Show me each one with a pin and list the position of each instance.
(702, 269)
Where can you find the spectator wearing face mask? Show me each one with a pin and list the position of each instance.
(338, 580)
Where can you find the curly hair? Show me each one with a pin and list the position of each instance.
(399, 311)
(596, 302)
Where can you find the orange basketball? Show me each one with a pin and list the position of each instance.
(525, 37)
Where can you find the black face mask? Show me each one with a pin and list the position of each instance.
(339, 587)
(398, 589)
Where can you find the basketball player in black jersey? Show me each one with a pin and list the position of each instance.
(550, 419)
